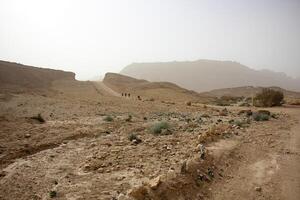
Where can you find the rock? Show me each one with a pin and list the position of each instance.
(86, 168)
(258, 189)
(122, 197)
(154, 183)
(100, 170)
(27, 135)
(171, 174)
(138, 193)
(223, 112)
(183, 169)
(202, 137)
(188, 103)
(202, 150)
(136, 141)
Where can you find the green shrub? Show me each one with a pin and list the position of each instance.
(108, 119)
(52, 194)
(268, 98)
(158, 127)
(261, 117)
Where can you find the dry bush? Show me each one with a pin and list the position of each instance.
(158, 127)
(268, 98)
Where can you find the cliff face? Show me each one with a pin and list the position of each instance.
(13, 75)
(206, 75)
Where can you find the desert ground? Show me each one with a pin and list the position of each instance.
(97, 144)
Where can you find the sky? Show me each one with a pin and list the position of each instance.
(92, 37)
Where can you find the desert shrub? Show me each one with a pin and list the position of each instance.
(188, 103)
(39, 118)
(266, 112)
(260, 117)
(268, 98)
(242, 123)
(108, 118)
(244, 104)
(222, 103)
(129, 118)
(246, 113)
(294, 102)
(158, 127)
(52, 194)
(231, 99)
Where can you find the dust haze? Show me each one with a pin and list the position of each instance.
(89, 37)
(149, 100)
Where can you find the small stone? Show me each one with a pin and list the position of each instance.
(27, 135)
(87, 168)
(154, 183)
(166, 132)
(121, 197)
(258, 189)
(138, 193)
(183, 169)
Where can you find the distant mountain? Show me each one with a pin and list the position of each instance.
(206, 75)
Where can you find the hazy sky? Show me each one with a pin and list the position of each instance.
(91, 37)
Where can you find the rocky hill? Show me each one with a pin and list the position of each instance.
(206, 75)
(18, 77)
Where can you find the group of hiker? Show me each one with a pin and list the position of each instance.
(128, 95)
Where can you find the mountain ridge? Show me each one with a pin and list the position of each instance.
(206, 75)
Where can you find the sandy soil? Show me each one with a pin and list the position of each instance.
(77, 154)
(266, 162)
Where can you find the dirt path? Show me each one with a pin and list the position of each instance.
(100, 86)
(265, 164)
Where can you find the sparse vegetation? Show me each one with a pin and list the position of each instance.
(39, 118)
(242, 123)
(129, 118)
(260, 117)
(52, 194)
(158, 127)
(108, 118)
(268, 98)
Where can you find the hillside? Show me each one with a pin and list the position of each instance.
(18, 77)
(205, 75)
(145, 89)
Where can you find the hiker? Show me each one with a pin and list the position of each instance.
(125, 94)
(139, 98)
(122, 94)
(128, 94)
